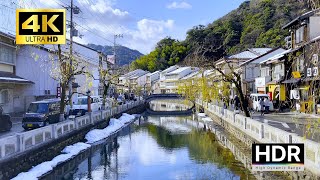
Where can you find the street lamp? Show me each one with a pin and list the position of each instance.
(89, 100)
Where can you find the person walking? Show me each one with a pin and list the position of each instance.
(250, 103)
(261, 102)
(267, 105)
(236, 102)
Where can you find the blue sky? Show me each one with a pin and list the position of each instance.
(142, 22)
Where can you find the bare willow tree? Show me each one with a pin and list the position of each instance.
(314, 4)
(57, 65)
(228, 71)
(108, 77)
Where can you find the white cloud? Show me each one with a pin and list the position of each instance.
(148, 33)
(49, 3)
(179, 5)
(103, 7)
(99, 20)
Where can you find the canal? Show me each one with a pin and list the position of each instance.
(155, 147)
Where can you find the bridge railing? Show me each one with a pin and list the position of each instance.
(15, 144)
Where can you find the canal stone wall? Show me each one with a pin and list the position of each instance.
(61, 135)
(250, 131)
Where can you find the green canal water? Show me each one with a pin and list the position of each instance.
(156, 147)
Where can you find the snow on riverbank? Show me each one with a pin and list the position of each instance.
(73, 150)
(41, 169)
(114, 125)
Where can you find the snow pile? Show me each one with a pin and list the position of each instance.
(73, 150)
(207, 119)
(202, 115)
(114, 125)
(41, 169)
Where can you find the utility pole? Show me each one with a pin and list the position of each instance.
(70, 54)
(114, 46)
(73, 32)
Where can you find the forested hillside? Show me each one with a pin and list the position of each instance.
(124, 55)
(255, 23)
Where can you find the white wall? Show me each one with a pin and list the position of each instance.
(35, 65)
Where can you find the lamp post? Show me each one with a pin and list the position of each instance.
(89, 100)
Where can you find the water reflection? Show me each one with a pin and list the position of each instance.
(170, 105)
(156, 148)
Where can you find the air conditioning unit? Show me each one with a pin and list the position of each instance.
(315, 59)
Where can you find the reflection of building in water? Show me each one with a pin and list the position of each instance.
(169, 105)
(175, 124)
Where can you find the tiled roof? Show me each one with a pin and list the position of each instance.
(11, 78)
(243, 55)
(260, 51)
(177, 71)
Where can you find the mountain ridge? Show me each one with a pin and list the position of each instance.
(124, 54)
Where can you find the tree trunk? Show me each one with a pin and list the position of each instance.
(244, 105)
(105, 93)
(62, 85)
(62, 102)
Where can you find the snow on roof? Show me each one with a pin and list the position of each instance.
(243, 55)
(170, 69)
(190, 75)
(139, 74)
(154, 73)
(179, 70)
(132, 73)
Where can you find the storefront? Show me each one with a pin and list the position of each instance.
(260, 84)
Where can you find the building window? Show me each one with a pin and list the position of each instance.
(7, 54)
(4, 96)
(300, 35)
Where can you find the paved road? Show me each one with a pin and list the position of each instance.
(16, 128)
(301, 124)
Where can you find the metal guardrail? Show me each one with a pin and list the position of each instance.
(265, 133)
(15, 144)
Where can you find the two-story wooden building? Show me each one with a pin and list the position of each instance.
(303, 81)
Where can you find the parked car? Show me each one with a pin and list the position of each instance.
(256, 98)
(5, 121)
(41, 113)
(80, 108)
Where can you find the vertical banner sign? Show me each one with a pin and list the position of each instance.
(41, 26)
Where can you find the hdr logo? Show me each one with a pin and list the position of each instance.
(277, 157)
(40, 26)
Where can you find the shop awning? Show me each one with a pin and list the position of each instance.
(291, 81)
(13, 79)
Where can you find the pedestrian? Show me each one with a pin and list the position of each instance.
(236, 102)
(266, 104)
(250, 102)
(261, 102)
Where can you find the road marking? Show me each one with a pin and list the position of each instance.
(16, 123)
(282, 123)
(285, 125)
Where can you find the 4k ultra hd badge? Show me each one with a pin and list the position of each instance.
(41, 26)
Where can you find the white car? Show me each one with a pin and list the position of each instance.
(256, 98)
(80, 108)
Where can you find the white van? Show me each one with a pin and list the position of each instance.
(81, 107)
(256, 98)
